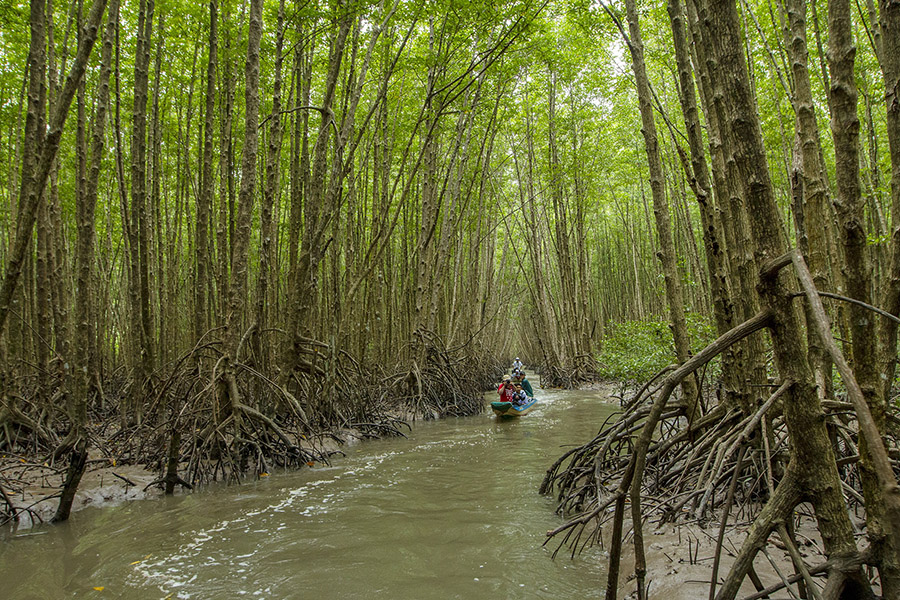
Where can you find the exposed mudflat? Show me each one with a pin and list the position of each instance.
(680, 559)
(34, 487)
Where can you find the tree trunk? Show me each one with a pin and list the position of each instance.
(50, 229)
(207, 184)
(812, 237)
(431, 206)
(561, 235)
(159, 287)
(747, 357)
(850, 206)
(267, 223)
(545, 326)
(299, 187)
(452, 196)
(38, 160)
(142, 345)
(812, 453)
(312, 248)
(224, 215)
(716, 258)
(85, 361)
(237, 290)
(674, 291)
(77, 464)
(890, 67)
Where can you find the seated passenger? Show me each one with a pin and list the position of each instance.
(526, 385)
(506, 390)
(520, 398)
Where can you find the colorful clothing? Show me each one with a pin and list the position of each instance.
(526, 385)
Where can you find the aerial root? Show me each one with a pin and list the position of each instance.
(10, 513)
(438, 383)
(207, 417)
(670, 470)
(584, 369)
(724, 465)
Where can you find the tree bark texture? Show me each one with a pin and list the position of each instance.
(849, 206)
(143, 332)
(814, 210)
(674, 290)
(812, 453)
(38, 162)
(207, 185)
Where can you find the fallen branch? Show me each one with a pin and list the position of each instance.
(125, 479)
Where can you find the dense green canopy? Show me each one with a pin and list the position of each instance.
(236, 226)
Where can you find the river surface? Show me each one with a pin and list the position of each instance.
(451, 512)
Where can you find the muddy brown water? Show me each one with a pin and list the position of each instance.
(451, 512)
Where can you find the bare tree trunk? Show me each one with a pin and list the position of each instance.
(584, 292)
(207, 184)
(674, 291)
(142, 348)
(716, 257)
(812, 237)
(850, 206)
(747, 357)
(431, 206)
(543, 322)
(85, 361)
(890, 67)
(44, 323)
(74, 472)
(160, 287)
(812, 452)
(44, 259)
(299, 187)
(237, 291)
(561, 234)
(224, 216)
(38, 160)
(312, 248)
(888, 45)
(451, 195)
(267, 223)
(85, 203)
(53, 288)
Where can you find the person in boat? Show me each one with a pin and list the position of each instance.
(506, 390)
(520, 398)
(517, 365)
(526, 385)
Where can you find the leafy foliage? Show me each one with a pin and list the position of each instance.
(634, 351)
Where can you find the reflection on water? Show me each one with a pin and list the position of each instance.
(451, 512)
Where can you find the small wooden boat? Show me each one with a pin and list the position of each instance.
(508, 409)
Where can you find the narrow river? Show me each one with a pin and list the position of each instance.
(451, 512)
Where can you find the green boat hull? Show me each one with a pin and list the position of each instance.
(507, 409)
